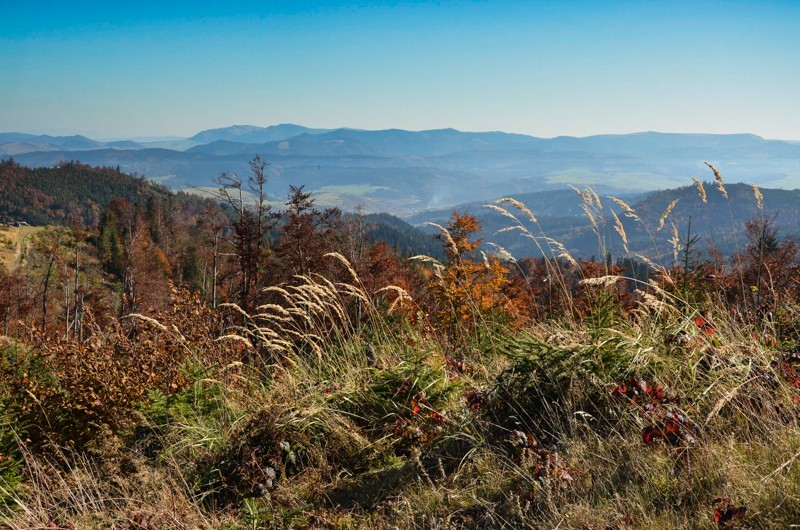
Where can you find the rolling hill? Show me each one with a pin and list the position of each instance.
(403, 172)
(719, 222)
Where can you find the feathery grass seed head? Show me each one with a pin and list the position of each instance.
(718, 180)
(701, 190)
(758, 196)
(621, 231)
(602, 281)
(519, 206)
(666, 214)
(629, 212)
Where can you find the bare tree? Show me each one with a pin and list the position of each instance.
(253, 218)
(213, 223)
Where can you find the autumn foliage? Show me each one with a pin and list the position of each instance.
(209, 365)
(469, 286)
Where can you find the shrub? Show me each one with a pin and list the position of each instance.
(67, 392)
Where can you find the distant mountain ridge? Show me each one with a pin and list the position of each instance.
(401, 171)
(68, 143)
(12, 144)
(253, 134)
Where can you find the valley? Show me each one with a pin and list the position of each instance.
(405, 172)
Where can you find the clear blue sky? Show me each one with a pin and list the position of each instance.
(542, 68)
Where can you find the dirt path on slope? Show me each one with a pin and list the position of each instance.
(13, 240)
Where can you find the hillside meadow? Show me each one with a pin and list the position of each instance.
(181, 364)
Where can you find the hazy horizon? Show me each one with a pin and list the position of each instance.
(544, 69)
(161, 138)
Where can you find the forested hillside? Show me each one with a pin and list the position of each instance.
(400, 235)
(66, 193)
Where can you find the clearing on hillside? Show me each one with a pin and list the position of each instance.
(12, 243)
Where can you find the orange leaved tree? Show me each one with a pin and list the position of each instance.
(468, 287)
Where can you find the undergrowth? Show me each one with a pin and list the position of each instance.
(335, 407)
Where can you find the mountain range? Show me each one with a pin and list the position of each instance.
(404, 172)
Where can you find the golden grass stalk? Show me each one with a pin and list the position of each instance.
(561, 251)
(666, 214)
(519, 206)
(758, 196)
(629, 212)
(718, 180)
(273, 307)
(621, 231)
(653, 303)
(402, 296)
(510, 229)
(300, 313)
(311, 305)
(310, 291)
(485, 260)
(502, 211)
(422, 258)
(273, 288)
(675, 241)
(353, 291)
(394, 288)
(648, 261)
(272, 317)
(502, 253)
(576, 190)
(596, 198)
(235, 338)
(701, 190)
(447, 237)
(344, 262)
(588, 211)
(602, 281)
(153, 322)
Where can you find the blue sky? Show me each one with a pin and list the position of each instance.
(541, 68)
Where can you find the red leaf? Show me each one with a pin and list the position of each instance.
(704, 325)
(726, 515)
(649, 436)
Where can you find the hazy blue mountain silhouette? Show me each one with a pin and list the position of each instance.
(402, 171)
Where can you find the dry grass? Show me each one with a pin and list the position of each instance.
(122, 492)
(629, 417)
(13, 243)
(334, 406)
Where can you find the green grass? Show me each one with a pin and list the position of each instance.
(352, 189)
(628, 180)
(13, 241)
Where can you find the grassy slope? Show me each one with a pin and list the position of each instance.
(634, 416)
(12, 244)
(376, 427)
